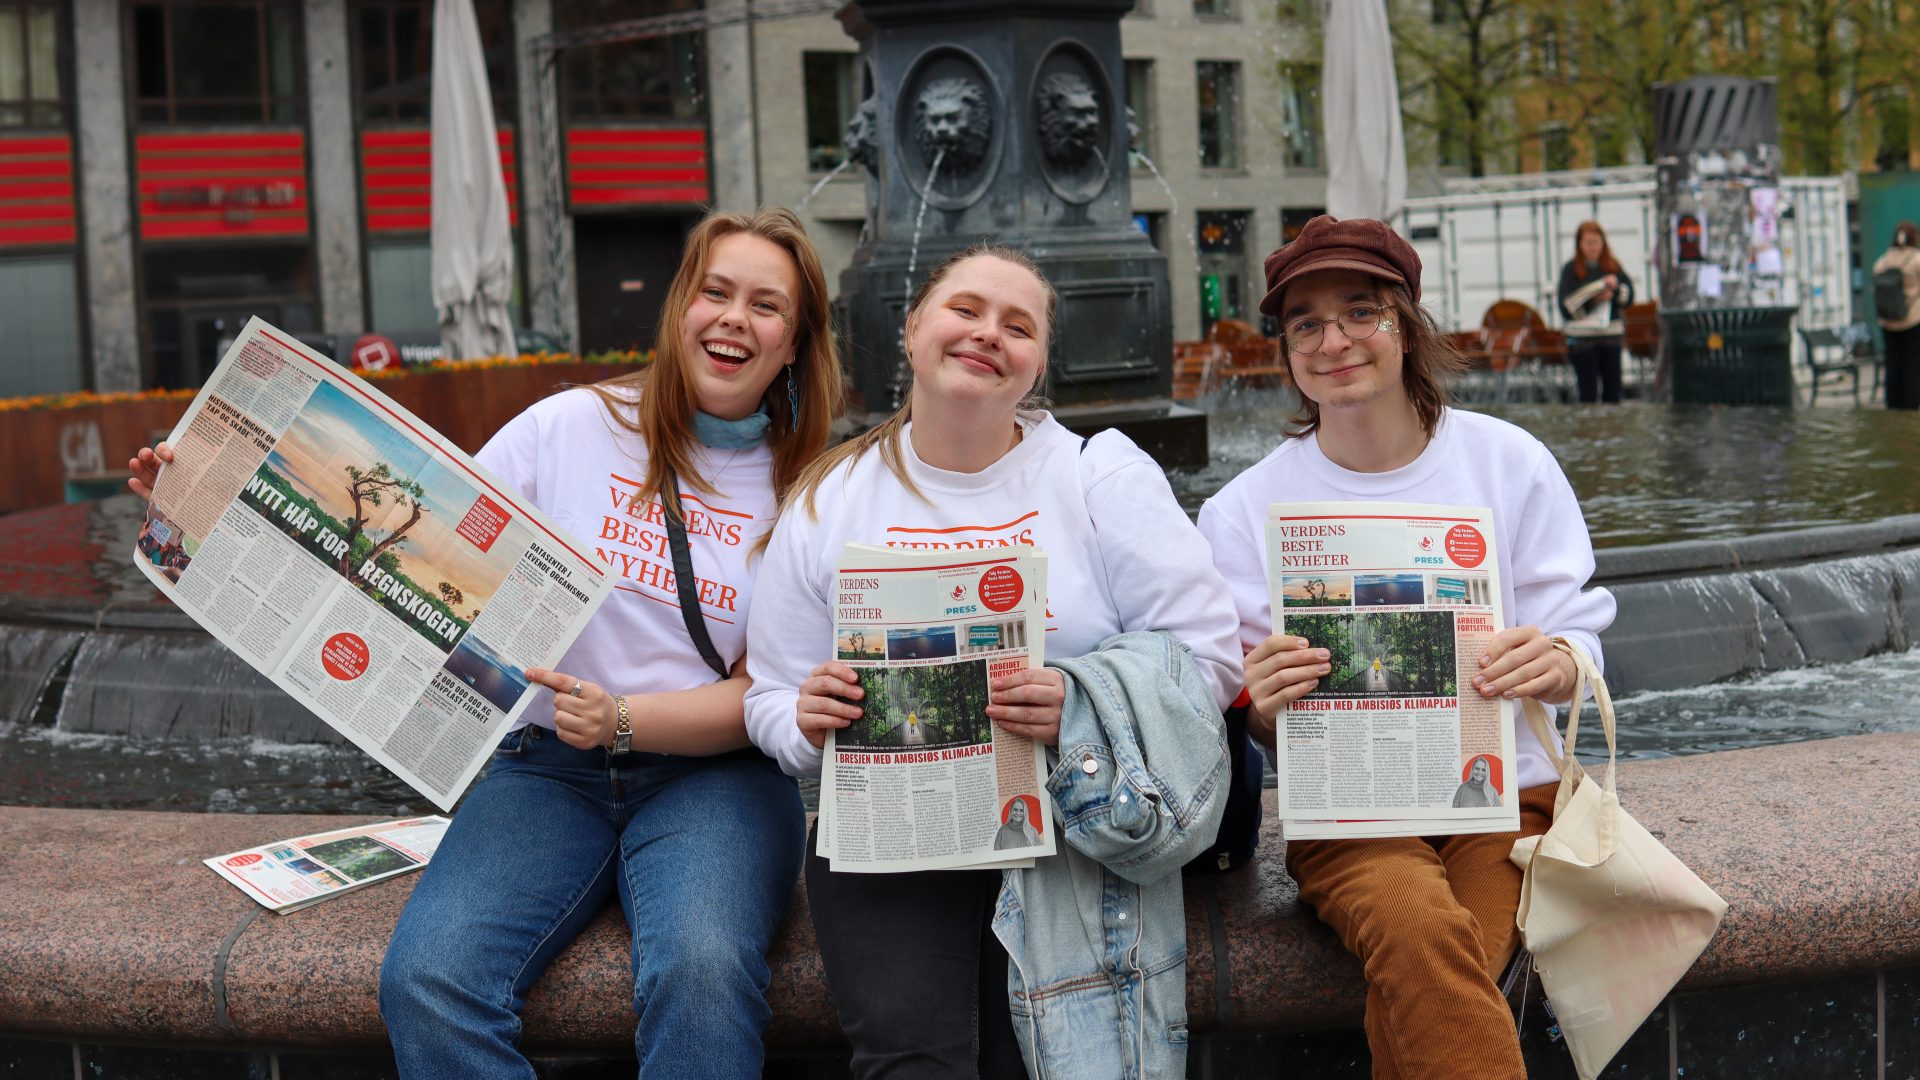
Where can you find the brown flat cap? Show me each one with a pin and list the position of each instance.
(1327, 243)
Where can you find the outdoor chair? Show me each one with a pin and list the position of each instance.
(1517, 344)
(1838, 351)
(1642, 323)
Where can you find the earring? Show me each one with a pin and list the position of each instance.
(793, 399)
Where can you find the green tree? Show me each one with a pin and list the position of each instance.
(370, 488)
(1461, 66)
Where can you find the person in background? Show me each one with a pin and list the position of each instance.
(1431, 919)
(1902, 332)
(1595, 332)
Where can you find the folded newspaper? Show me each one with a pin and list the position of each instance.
(1405, 598)
(363, 563)
(925, 780)
(288, 875)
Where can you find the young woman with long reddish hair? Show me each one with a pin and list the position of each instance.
(1595, 328)
(633, 778)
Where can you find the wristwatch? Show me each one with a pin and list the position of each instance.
(622, 728)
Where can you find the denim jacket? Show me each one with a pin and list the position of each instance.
(1098, 934)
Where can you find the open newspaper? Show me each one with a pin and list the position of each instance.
(1594, 321)
(288, 875)
(924, 780)
(1394, 741)
(363, 563)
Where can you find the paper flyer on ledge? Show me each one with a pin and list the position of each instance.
(367, 566)
(288, 875)
(925, 780)
(1394, 741)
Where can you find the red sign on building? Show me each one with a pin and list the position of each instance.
(36, 190)
(220, 184)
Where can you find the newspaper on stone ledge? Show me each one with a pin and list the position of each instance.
(367, 566)
(288, 875)
(1394, 741)
(924, 780)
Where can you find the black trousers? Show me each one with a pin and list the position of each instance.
(917, 976)
(1596, 369)
(1903, 368)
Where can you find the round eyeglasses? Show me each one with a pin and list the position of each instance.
(1359, 322)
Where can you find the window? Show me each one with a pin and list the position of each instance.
(40, 307)
(1140, 105)
(1301, 116)
(1221, 236)
(830, 103)
(1219, 114)
(1556, 148)
(1213, 9)
(393, 55)
(658, 78)
(215, 62)
(30, 61)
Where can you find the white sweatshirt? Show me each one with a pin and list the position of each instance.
(1121, 556)
(568, 456)
(1544, 554)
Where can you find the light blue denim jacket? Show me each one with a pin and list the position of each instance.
(1098, 933)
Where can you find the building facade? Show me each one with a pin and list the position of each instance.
(170, 167)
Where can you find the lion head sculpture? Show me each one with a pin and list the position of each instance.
(951, 121)
(1069, 119)
(863, 136)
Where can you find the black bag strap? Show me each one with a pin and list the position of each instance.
(683, 577)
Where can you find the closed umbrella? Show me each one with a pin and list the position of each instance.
(472, 240)
(1366, 153)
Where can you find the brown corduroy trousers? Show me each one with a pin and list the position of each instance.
(1431, 919)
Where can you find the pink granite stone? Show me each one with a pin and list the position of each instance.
(110, 926)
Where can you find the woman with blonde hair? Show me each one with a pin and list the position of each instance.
(918, 963)
(633, 778)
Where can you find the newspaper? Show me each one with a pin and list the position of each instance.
(1593, 322)
(365, 565)
(924, 780)
(1406, 599)
(288, 875)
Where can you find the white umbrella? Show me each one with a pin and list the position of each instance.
(1360, 103)
(472, 240)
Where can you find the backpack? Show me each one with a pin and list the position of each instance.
(1890, 294)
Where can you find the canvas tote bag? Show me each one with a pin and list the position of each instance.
(1611, 917)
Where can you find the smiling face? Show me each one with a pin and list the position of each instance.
(737, 333)
(1017, 813)
(979, 340)
(1342, 373)
(1478, 774)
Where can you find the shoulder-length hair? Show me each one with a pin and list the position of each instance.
(886, 435)
(1429, 362)
(1906, 234)
(662, 411)
(1608, 264)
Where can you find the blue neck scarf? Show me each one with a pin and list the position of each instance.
(719, 434)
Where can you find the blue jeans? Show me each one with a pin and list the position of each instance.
(703, 854)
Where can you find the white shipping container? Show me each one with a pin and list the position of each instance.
(1479, 247)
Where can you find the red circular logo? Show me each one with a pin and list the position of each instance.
(1466, 546)
(243, 860)
(345, 657)
(375, 352)
(1001, 588)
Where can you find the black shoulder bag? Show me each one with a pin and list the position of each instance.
(683, 576)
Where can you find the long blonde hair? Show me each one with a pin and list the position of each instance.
(662, 411)
(887, 435)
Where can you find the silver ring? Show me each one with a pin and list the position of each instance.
(576, 691)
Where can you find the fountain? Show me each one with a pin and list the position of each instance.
(1002, 120)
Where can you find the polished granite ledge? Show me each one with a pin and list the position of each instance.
(111, 931)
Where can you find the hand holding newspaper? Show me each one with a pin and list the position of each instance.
(288, 875)
(1405, 598)
(367, 566)
(924, 780)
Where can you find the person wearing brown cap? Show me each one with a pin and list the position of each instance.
(1432, 918)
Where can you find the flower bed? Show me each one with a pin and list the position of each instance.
(51, 439)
